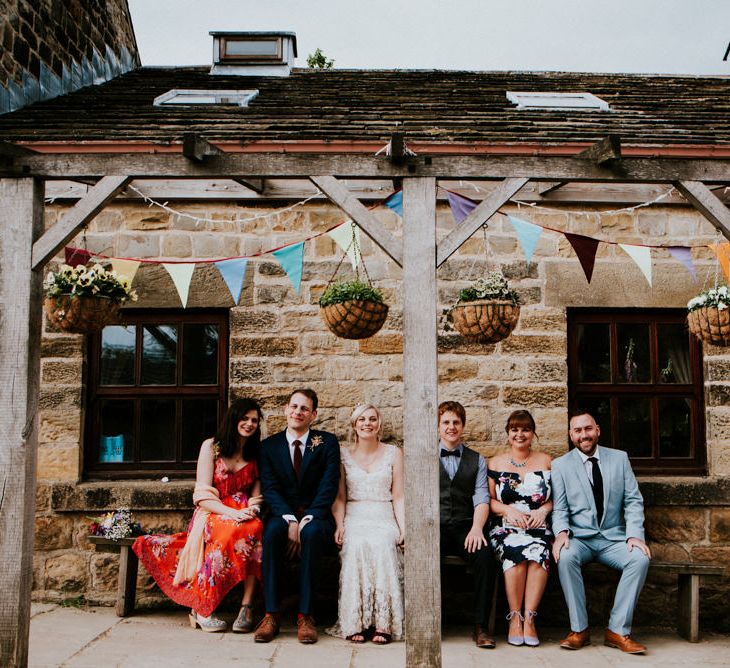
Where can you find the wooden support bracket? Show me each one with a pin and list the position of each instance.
(707, 203)
(197, 149)
(605, 153)
(257, 185)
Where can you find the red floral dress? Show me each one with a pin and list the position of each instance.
(232, 549)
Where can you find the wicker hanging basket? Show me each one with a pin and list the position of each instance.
(710, 325)
(354, 319)
(81, 315)
(485, 321)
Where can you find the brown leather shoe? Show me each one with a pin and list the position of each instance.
(624, 643)
(268, 628)
(481, 638)
(306, 630)
(576, 639)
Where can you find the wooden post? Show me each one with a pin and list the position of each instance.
(420, 381)
(21, 221)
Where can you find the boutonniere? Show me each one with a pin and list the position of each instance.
(315, 443)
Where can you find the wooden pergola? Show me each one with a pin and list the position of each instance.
(25, 250)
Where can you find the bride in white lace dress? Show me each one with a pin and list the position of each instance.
(369, 513)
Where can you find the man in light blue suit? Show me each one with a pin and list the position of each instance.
(598, 515)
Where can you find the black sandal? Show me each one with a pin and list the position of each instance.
(387, 638)
(357, 638)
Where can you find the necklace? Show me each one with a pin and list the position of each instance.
(519, 466)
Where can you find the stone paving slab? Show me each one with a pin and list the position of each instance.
(93, 637)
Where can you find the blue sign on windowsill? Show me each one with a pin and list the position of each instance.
(111, 449)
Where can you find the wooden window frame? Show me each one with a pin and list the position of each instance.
(95, 470)
(696, 464)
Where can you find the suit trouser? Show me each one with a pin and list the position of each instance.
(316, 538)
(634, 565)
(481, 562)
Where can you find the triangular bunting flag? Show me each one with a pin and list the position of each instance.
(126, 268)
(528, 234)
(684, 255)
(722, 251)
(642, 256)
(233, 272)
(461, 206)
(76, 256)
(291, 259)
(395, 202)
(181, 275)
(585, 248)
(342, 236)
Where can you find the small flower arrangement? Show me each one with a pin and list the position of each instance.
(115, 525)
(718, 297)
(94, 281)
(315, 443)
(493, 286)
(709, 316)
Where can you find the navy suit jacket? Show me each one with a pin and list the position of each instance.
(315, 491)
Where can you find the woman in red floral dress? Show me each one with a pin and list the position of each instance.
(222, 546)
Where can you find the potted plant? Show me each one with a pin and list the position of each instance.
(353, 309)
(487, 311)
(709, 316)
(81, 299)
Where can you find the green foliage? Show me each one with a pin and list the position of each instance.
(318, 61)
(75, 602)
(493, 286)
(350, 291)
(88, 282)
(717, 296)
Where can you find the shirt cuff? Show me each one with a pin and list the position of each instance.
(289, 518)
(305, 520)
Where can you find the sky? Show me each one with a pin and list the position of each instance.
(651, 36)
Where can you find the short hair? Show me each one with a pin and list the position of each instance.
(307, 392)
(580, 410)
(520, 418)
(227, 436)
(452, 407)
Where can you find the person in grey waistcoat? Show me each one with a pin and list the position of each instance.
(598, 515)
(464, 509)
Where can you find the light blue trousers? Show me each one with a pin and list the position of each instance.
(634, 565)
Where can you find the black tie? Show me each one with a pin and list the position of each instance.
(297, 457)
(450, 453)
(597, 487)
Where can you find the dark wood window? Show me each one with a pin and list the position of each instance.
(639, 372)
(156, 389)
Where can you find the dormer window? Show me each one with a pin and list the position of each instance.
(557, 101)
(243, 50)
(253, 53)
(239, 98)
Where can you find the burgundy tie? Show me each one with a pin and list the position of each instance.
(297, 457)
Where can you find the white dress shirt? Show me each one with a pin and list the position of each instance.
(587, 465)
(290, 438)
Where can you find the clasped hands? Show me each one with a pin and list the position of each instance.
(532, 520)
(248, 513)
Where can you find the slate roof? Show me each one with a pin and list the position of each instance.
(357, 105)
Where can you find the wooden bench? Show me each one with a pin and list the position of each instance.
(128, 565)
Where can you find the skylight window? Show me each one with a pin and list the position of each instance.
(239, 98)
(566, 101)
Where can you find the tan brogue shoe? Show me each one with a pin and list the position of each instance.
(624, 643)
(482, 638)
(268, 628)
(306, 629)
(576, 639)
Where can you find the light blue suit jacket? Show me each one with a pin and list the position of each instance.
(574, 508)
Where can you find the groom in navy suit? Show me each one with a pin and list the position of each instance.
(300, 475)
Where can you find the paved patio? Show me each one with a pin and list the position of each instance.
(96, 637)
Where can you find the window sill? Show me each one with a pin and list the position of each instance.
(685, 491)
(134, 494)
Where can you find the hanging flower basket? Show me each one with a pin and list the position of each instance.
(709, 316)
(353, 310)
(80, 315)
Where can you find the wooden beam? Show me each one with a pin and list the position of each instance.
(484, 211)
(397, 148)
(197, 149)
(707, 203)
(420, 383)
(548, 187)
(84, 210)
(257, 185)
(367, 222)
(10, 150)
(604, 152)
(21, 221)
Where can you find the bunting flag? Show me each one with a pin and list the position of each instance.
(343, 237)
(528, 234)
(291, 259)
(684, 255)
(126, 268)
(585, 248)
(461, 206)
(76, 256)
(233, 272)
(395, 202)
(722, 251)
(181, 275)
(642, 256)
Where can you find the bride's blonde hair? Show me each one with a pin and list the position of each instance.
(356, 413)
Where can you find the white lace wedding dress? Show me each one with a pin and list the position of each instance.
(371, 577)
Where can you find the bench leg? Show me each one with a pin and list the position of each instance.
(688, 601)
(127, 584)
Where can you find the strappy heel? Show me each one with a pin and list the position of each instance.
(209, 624)
(515, 640)
(531, 641)
(244, 621)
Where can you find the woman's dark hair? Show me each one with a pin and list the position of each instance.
(227, 436)
(520, 418)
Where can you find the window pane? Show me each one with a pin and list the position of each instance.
(157, 430)
(674, 427)
(159, 354)
(200, 354)
(594, 361)
(674, 360)
(199, 421)
(116, 440)
(600, 409)
(117, 355)
(634, 426)
(633, 350)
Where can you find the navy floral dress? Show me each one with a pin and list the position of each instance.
(512, 544)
